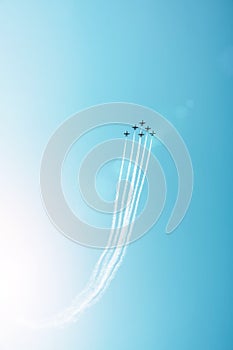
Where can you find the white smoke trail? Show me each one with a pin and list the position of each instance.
(89, 292)
(114, 254)
(123, 249)
(141, 186)
(87, 296)
(138, 180)
(111, 259)
(113, 226)
(125, 188)
(106, 255)
(109, 255)
(119, 252)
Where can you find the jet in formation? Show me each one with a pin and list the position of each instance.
(142, 122)
(135, 127)
(126, 133)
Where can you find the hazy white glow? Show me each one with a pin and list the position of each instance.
(28, 262)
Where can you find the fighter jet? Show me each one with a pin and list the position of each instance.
(126, 133)
(153, 133)
(135, 127)
(147, 128)
(141, 134)
(142, 123)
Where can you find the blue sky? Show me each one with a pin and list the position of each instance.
(58, 57)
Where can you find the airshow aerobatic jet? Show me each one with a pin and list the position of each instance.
(142, 123)
(126, 133)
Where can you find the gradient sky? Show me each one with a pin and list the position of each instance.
(58, 57)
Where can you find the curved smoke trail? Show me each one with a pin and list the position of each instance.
(124, 248)
(121, 229)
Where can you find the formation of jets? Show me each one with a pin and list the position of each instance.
(141, 133)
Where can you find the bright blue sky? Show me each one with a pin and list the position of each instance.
(58, 57)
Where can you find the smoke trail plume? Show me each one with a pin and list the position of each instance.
(121, 230)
